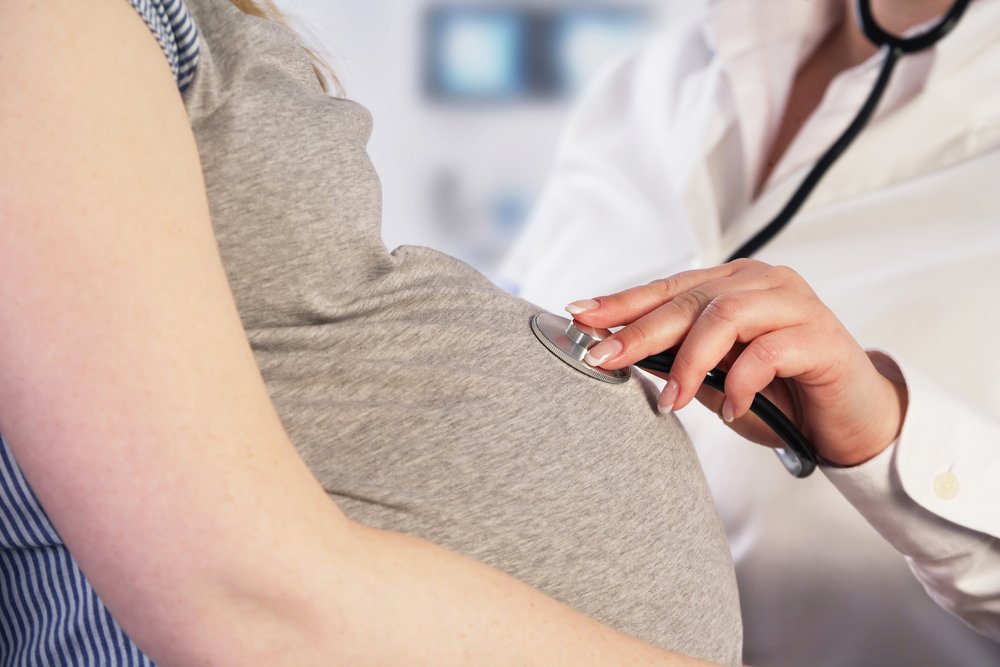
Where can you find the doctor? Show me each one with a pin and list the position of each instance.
(681, 153)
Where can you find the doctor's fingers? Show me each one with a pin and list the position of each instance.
(791, 354)
(628, 306)
(750, 426)
(734, 309)
(736, 318)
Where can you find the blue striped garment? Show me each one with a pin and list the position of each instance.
(49, 613)
(173, 28)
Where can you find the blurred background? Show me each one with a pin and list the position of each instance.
(468, 98)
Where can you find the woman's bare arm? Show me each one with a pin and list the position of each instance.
(130, 397)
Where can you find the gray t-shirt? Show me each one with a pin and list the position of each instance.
(414, 388)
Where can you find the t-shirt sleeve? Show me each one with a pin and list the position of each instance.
(172, 25)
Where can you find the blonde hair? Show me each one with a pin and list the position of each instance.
(266, 9)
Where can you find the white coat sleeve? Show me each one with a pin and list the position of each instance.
(935, 496)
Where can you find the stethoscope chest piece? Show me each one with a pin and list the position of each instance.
(570, 341)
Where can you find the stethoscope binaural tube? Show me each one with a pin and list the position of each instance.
(895, 48)
(878, 36)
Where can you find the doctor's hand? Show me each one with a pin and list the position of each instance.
(766, 327)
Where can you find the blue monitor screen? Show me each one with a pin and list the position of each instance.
(476, 53)
(585, 38)
(502, 52)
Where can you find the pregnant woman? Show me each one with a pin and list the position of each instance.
(154, 504)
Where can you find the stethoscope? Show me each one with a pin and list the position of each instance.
(570, 340)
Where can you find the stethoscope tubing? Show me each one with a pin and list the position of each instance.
(767, 411)
(895, 48)
(879, 36)
(834, 153)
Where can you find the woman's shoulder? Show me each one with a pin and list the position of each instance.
(171, 23)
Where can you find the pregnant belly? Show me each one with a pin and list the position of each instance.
(431, 409)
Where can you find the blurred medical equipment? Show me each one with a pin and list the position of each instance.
(516, 53)
(496, 81)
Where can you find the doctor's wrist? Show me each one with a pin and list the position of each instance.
(892, 402)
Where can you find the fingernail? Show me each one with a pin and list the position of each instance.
(728, 412)
(602, 352)
(581, 307)
(669, 397)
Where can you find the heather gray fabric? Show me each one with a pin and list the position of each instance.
(415, 389)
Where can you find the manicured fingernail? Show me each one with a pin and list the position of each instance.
(669, 397)
(581, 307)
(728, 412)
(602, 352)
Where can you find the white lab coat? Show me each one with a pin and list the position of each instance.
(901, 240)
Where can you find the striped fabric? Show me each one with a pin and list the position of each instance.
(49, 613)
(175, 31)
